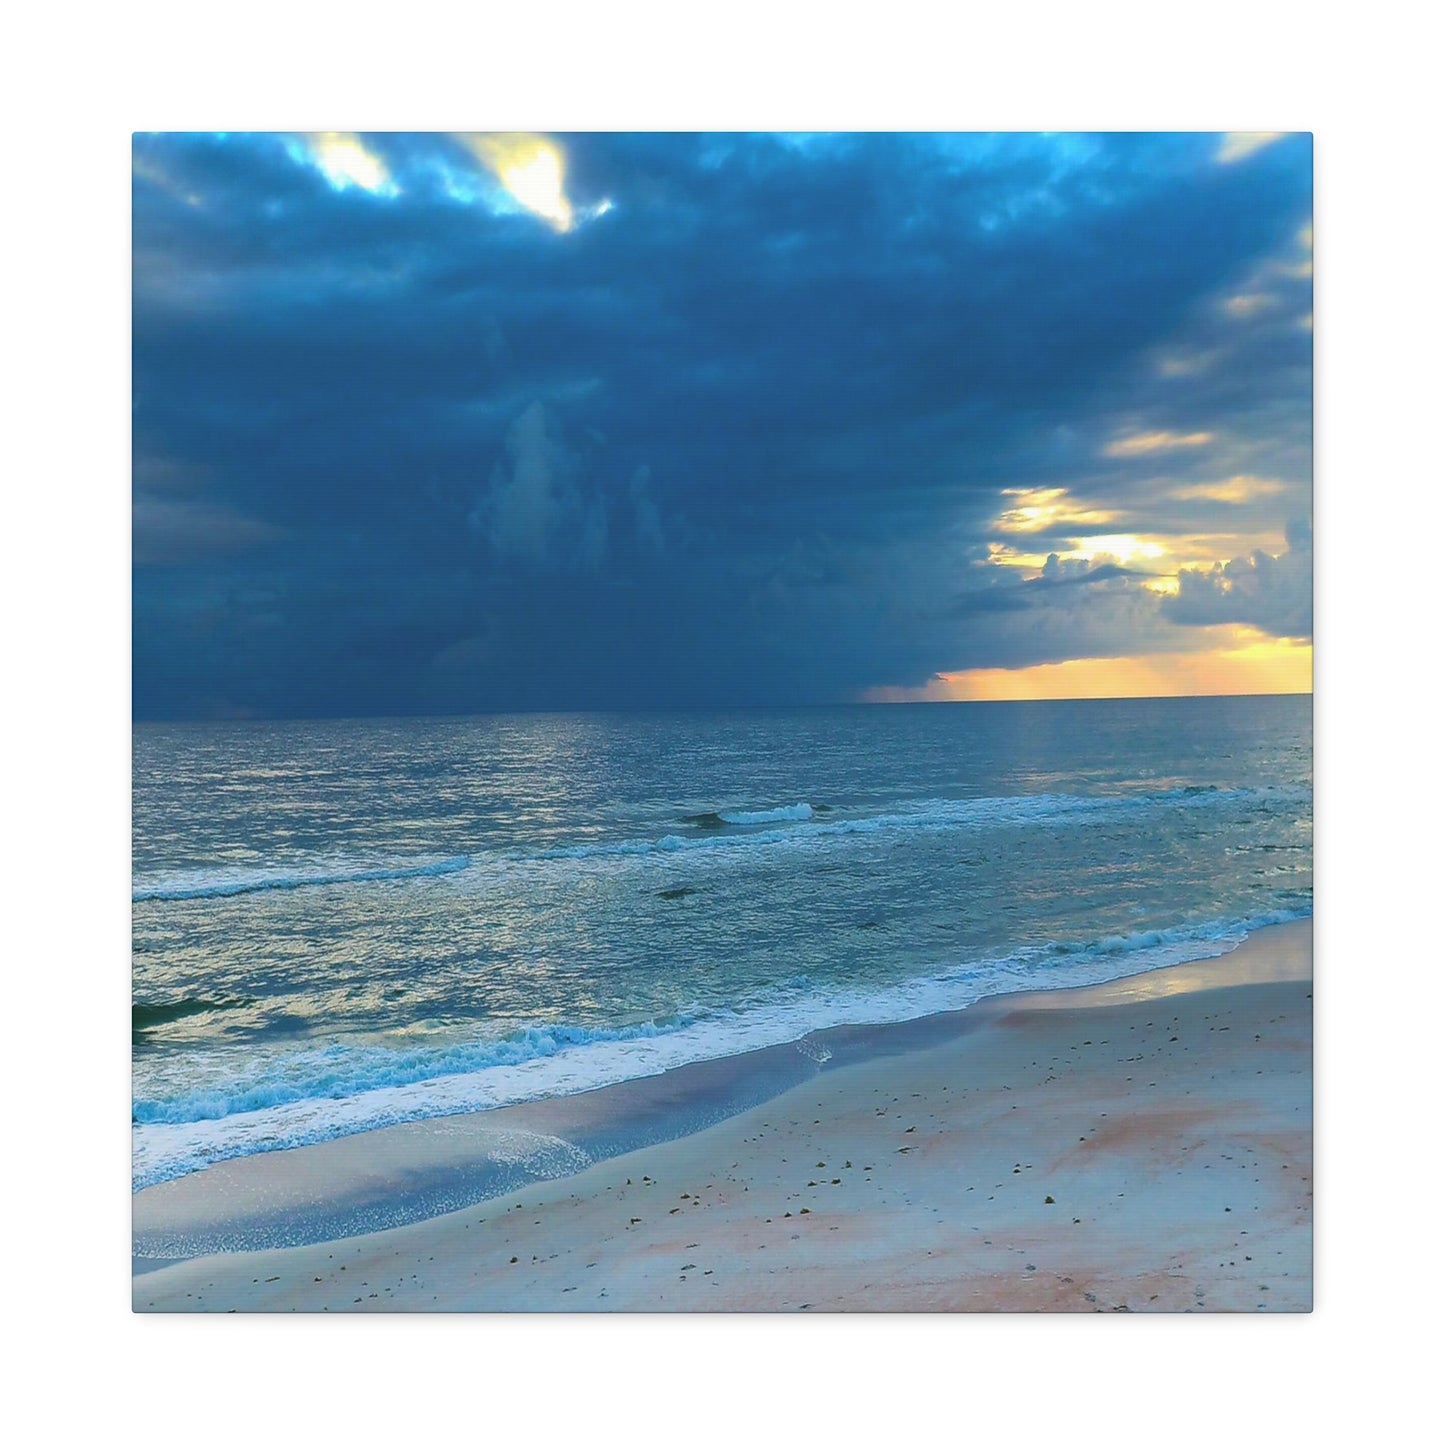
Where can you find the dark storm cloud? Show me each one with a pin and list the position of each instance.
(744, 436)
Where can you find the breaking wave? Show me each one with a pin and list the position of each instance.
(739, 817)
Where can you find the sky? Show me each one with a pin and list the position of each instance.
(493, 422)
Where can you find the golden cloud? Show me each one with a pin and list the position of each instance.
(1142, 444)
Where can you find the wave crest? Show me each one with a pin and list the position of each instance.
(215, 883)
(930, 815)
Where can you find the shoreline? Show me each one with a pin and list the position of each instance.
(752, 1043)
(954, 1070)
(414, 1169)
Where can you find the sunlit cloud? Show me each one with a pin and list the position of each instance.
(1235, 490)
(532, 171)
(1243, 662)
(1143, 444)
(342, 157)
(1250, 303)
(1001, 554)
(1038, 509)
(1237, 144)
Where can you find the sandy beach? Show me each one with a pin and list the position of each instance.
(1143, 1145)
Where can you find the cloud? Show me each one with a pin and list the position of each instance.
(1272, 593)
(1143, 444)
(166, 531)
(531, 169)
(532, 496)
(1064, 571)
(1236, 145)
(1040, 509)
(1250, 303)
(751, 439)
(532, 173)
(343, 158)
(549, 501)
(1236, 491)
(647, 518)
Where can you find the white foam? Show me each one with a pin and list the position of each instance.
(797, 813)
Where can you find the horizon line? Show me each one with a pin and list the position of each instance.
(241, 716)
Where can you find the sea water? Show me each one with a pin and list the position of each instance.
(343, 924)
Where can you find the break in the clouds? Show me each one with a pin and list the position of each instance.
(464, 422)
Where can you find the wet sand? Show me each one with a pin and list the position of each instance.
(1144, 1145)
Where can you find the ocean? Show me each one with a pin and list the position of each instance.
(339, 925)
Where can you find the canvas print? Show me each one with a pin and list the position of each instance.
(722, 722)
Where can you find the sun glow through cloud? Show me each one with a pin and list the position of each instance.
(1037, 509)
(1122, 546)
(533, 171)
(1245, 662)
(345, 161)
